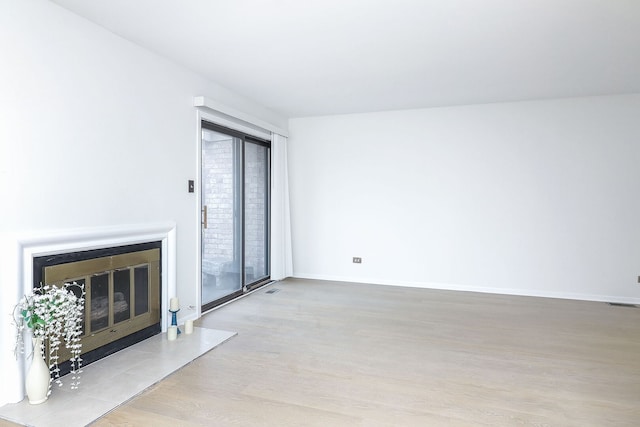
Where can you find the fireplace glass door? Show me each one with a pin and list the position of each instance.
(235, 214)
(122, 298)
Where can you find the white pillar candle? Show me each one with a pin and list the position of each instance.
(174, 305)
(188, 327)
(172, 333)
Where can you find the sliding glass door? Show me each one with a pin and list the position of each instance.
(235, 214)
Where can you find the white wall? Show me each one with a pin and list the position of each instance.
(534, 198)
(96, 131)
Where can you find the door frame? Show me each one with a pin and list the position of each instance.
(248, 130)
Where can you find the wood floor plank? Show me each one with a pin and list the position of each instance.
(343, 354)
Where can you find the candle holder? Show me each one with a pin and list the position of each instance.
(174, 319)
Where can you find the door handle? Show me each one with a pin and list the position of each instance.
(204, 216)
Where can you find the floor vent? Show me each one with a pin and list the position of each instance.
(621, 304)
(272, 291)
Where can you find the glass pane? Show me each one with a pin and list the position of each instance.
(121, 295)
(221, 196)
(141, 289)
(77, 291)
(256, 208)
(99, 302)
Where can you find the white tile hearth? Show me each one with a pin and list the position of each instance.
(113, 380)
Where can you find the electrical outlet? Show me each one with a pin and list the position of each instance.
(358, 260)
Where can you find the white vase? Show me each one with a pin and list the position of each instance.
(38, 378)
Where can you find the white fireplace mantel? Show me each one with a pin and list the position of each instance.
(16, 278)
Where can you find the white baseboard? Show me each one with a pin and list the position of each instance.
(481, 289)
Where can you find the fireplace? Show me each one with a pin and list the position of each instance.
(122, 295)
(17, 277)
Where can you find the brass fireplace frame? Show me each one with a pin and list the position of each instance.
(86, 270)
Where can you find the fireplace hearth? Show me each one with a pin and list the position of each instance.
(122, 295)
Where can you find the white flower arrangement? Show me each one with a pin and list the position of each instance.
(54, 313)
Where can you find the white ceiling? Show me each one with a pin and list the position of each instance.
(318, 57)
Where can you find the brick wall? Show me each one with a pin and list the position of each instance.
(217, 173)
(218, 180)
(255, 206)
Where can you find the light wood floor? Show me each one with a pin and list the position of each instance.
(338, 354)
